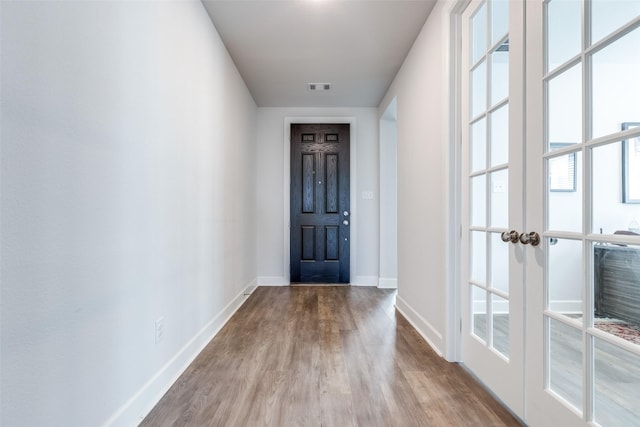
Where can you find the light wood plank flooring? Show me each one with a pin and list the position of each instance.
(323, 356)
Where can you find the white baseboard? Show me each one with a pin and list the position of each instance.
(143, 401)
(502, 307)
(365, 281)
(391, 283)
(248, 290)
(566, 306)
(272, 281)
(388, 283)
(498, 307)
(421, 325)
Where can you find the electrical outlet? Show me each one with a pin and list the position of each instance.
(159, 329)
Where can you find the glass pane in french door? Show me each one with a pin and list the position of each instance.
(592, 208)
(620, 405)
(488, 175)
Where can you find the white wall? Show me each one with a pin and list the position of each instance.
(271, 191)
(422, 185)
(128, 194)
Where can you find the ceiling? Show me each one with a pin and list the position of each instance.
(279, 46)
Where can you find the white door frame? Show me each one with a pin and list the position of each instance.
(452, 21)
(388, 200)
(288, 121)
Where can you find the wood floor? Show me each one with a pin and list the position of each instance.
(323, 356)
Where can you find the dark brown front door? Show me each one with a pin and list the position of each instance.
(320, 212)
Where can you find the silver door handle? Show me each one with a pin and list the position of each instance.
(345, 222)
(532, 238)
(509, 236)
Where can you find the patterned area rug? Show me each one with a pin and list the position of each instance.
(620, 329)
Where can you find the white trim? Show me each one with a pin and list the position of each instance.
(452, 164)
(566, 307)
(144, 400)
(388, 283)
(248, 290)
(388, 196)
(497, 307)
(288, 121)
(365, 281)
(421, 325)
(273, 281)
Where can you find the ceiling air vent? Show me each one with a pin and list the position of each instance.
(319, 87)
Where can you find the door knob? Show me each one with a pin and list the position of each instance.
(345, 222)
(532, 238)
(509, 236)
(345, 213)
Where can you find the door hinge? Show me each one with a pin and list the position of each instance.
(460, 322)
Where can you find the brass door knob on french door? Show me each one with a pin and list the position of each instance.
(532, 238)
(509, 236)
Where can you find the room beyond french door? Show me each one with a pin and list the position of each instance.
(550, 210)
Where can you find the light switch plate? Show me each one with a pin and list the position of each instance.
(367, 195)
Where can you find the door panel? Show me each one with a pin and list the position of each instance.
(320, 211)
(584, 279)
(492, 150)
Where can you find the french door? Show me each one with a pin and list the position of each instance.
(551, 317)
(583, 293)
(492, 187)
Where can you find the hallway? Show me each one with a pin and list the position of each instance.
(323, 356)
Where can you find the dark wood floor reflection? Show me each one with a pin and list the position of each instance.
(323, 356)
